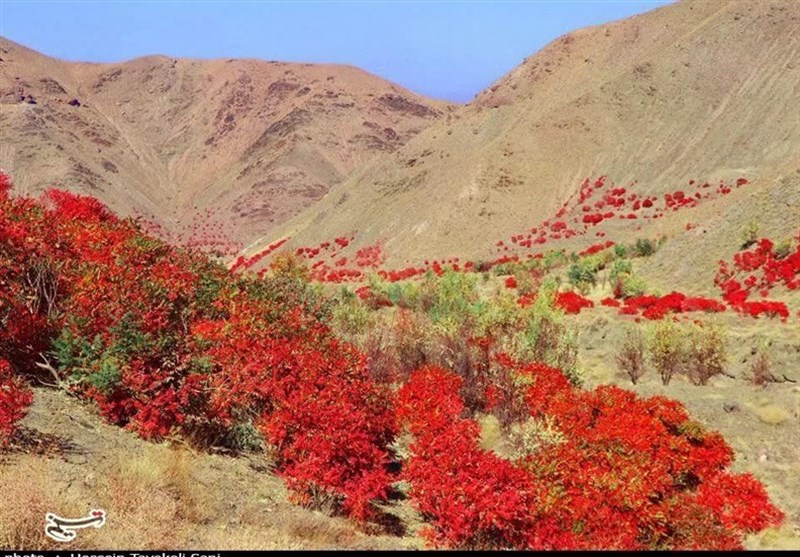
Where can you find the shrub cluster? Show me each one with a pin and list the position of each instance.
(696, 350)
(622, 472)
(167, 342)
(759, 269)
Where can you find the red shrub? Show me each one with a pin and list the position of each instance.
(764, 270)
(473, 499)
(14, 401)
(167, 342)
(610, 302)
(624, 473)
(572, 302)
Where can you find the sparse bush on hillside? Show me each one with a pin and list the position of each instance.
(643, 248)
(619, 268)
(624, 282)
(783, 249)
(582, 277)
(554, 258)
(749, 234)
(761, 366)
(706, 352)
(667, 350)
(695, 349)
(349, 315)
(547, 338)
(528, 279)
(583, 273)
(630, 357)
(287, 264)
(629, 286)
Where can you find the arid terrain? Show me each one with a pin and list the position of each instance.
(698, 91)
(194, 145)
(406, 323)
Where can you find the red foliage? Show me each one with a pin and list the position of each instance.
(624, 472)
(473, 498)
(655, 307)
(759, 269)
(596, 248)
(14, 401)
(572, 302)
(167, 342)
(5, 186)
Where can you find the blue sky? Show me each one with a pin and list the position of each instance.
(444, 49)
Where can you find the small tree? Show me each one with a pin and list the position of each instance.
(761, 367)
(706, 357)
(667, 350)
(288, 265)
(631, 354)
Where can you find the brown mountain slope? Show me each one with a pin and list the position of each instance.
(704, 90)
(251, 142)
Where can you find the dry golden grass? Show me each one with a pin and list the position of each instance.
(27, 497)
(159, 498)
(771, 414)
(783, 538)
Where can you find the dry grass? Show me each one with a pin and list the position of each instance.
(27, 497)
(155, 499)
(771, 414)
(784, 538)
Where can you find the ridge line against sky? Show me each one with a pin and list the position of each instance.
(448, 50)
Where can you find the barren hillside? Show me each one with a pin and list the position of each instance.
(688, 94)
(217, 151)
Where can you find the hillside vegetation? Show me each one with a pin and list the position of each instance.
(171, 345)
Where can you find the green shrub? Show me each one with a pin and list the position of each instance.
(643, 248)
(749, 234)
(625, 283)
(697, 350)
(618, 268)
(453, 299)
(667, 346)
(350, 315)
(554, 259)
(783, 249)
(547, 338)
(582, 276)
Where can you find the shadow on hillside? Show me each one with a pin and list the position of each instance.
(32, 442)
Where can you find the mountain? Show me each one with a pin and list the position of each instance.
(692, 93)
(212, 151)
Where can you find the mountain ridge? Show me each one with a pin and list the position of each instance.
(692, 91)
(248, 141)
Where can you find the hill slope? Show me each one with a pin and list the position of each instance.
(702, 91)
(198, 144)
